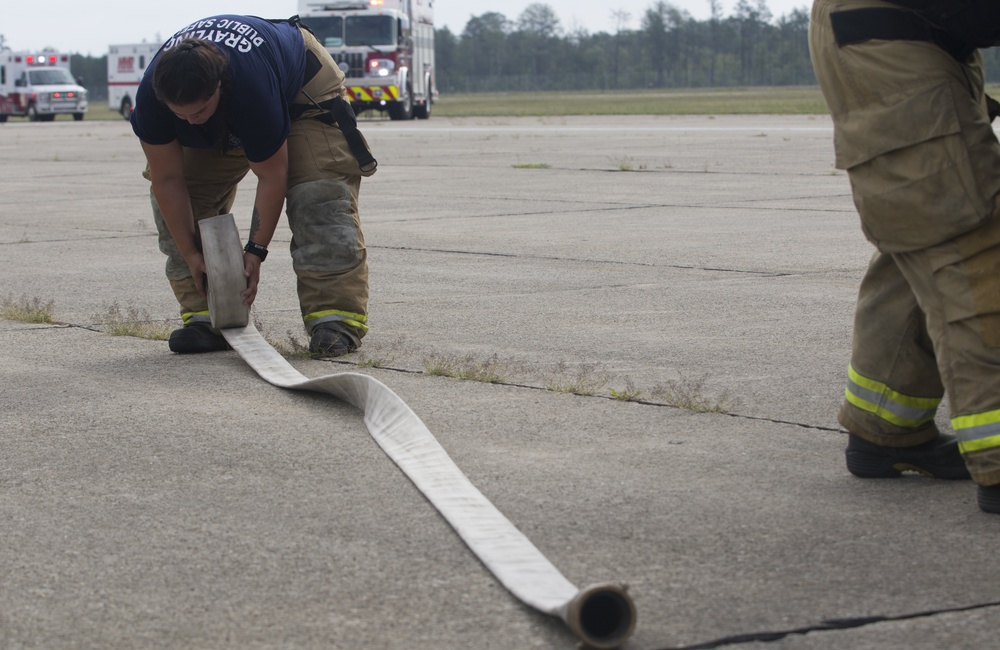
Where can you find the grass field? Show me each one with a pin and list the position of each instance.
(783, 100)
(792, 100)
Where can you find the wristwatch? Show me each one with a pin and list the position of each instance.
(256, 249)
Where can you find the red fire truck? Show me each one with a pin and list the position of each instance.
(384, 47)
(39, 86)
(126, 64)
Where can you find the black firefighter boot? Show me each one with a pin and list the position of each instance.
(938, 458)
(195, 338)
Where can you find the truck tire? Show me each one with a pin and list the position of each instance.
(77, 117)
(3, 118)
(423, 111)
(403, 109)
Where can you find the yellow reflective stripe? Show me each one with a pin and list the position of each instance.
(194, 316)
(898, 398)
(878, 399)
(977, 431)
(392, 91)
(978, 445)
(348, 318)
(360, 93)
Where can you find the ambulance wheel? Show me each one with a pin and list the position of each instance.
(77, 116)
(3, 118)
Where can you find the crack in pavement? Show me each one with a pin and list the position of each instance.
(554, 258)
(830, 625)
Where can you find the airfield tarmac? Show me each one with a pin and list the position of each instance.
(693, 276)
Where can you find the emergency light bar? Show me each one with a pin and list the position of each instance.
(42, 59)
(350, 4)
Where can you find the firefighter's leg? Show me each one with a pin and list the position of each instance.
(211, 177)
(958, 286)
(893, 387)
(328, 246)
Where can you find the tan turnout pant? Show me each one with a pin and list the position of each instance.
(327, 246)
(912, 131)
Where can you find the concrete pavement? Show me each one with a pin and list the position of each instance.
(149, 500)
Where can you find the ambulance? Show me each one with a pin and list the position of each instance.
(39, 86)
(384, 47)
(126, 65)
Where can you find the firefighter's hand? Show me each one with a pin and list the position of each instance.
(198, 273)
(251, 270)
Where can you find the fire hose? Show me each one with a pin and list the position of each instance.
(601, 615)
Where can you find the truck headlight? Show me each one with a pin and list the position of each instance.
(381, 67)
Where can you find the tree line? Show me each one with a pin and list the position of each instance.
(667, 49)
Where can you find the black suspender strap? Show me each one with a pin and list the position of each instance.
(855, 26)
(337, 112)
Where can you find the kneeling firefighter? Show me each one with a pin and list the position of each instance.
(904, 83)
(230, 94)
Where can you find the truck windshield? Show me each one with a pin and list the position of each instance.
(371, 30)
(329, 30)
(50, 77)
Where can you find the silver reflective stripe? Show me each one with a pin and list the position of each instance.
(883, 402)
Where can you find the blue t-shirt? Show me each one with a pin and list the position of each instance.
(266, 70)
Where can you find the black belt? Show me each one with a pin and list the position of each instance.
(885, 24)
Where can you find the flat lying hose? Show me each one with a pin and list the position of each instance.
(601, 615)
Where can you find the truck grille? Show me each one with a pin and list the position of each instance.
(354, 59)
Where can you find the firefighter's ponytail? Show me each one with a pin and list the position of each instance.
(189, 72)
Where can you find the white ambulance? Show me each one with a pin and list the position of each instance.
(126, 65)
(39, 86)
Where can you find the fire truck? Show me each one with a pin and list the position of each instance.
(39, 86)
(126, 65)
(384, 47)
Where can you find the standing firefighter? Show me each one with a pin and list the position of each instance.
(231, 94)
(904, 84)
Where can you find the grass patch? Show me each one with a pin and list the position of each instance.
(756, 100)
(689, 394)
(586, 380)
(628, 394)
(489, 370)
(532, 166)
(293, 346)
(26, 310)
(132, 321)
(778, 100)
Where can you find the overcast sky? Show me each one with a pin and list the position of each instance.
(89, 28)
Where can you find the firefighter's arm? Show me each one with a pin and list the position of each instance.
(166, 172)
(272, 183)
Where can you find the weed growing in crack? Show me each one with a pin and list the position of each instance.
(688, 394)
(26, 310)
(587, 380)
(291, 347)
(131, 321)
(628, 394)
(489, 370)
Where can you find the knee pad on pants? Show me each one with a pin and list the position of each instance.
(326, 235)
